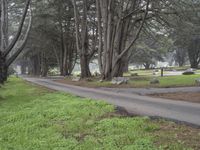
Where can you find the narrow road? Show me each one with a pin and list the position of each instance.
(141, 105)
(146, 91)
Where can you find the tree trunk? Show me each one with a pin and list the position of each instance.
(125, 67)
(194, 60)
(85, 70)
(5, 49)
(4, 40)
(4, 25)
(1, 68)
(100, 44)
(147, 66)
(194, 53)
(5, 73)
(44, 67)
(116, 28)
(194, 64)
(23, 68)
(62, 50)
(82, 43)
(35, 68)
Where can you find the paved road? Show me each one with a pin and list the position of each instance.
(141, 105)
(146, 91)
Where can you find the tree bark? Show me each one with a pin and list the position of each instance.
(5, 48)
(4, 25)
(116, 26)
(44, 67)
(14, 41)
(82, 40)
(4, 40)
(11, 59)
(2, 61)
(100, 44)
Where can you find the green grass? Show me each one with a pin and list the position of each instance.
(144, 81)
(33, 118)
(167, 81)
(141, 72)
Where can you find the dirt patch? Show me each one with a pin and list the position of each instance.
(168, 132)
(119, 112)
(171, 133)
(188, 96)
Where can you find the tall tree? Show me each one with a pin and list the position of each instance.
(6, 49)
(116, 20)
(85, 40)
(52, 39)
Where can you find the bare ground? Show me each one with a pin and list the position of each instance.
(168, 132)
(180, 133)
(188, 96)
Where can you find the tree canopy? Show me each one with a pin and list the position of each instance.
(60, 33)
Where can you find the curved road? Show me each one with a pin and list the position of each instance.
(141, 105)
(146, 91)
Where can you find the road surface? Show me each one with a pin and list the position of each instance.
(147, 91)
(141, 105)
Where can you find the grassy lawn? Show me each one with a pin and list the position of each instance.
(167, 81)
(141, 81)
(33, 118)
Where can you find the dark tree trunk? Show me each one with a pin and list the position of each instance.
(62, 55)
(194, 60)
(118, 69)
(35, 68)
(5, 73)
(1, 68)
(115, 35)
(82, 40)
(180, 64)
(5, 59)
(194, 53)
(125, 67)
(147, 66)
(23, 68)
(85, 70)
(194, 64)
(44, 67)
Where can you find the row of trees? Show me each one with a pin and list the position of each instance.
(105, 30)
(186, 34)
(114, 32)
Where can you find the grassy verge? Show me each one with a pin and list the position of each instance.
(33, 118)
(140, 82)
(168, 81)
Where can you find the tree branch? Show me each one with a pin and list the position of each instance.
(137, 35)
(19, 50)
(14, 41)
